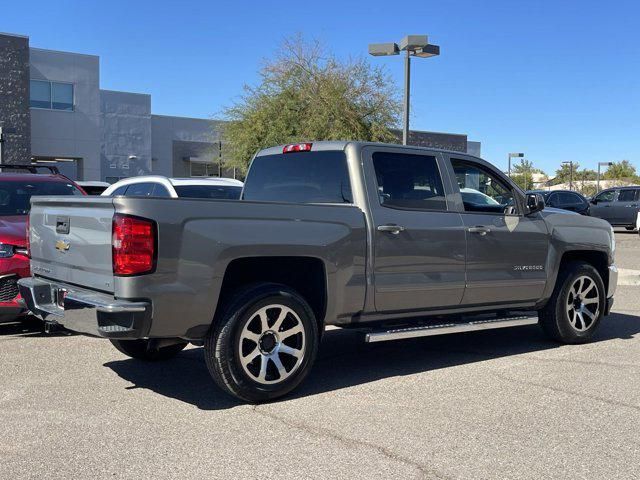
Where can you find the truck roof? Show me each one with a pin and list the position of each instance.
(325, 145)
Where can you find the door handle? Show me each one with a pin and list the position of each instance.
(480, 230)
(393, 229)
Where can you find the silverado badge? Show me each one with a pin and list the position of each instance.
(62, 245)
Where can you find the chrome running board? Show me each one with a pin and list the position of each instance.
(446, 328)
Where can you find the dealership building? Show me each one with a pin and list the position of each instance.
(53, 111)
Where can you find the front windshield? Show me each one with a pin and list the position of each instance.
(15, 196)
(209, 191)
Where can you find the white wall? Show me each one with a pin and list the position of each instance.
(69, 134)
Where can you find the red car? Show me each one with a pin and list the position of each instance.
(16, 190)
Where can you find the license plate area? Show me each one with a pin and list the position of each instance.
(62, 225)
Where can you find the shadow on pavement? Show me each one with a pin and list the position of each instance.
(25, 326)
(345, 360)
(30, 327)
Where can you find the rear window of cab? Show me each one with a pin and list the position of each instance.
(299, 177)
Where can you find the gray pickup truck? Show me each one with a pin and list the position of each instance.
(397, 241)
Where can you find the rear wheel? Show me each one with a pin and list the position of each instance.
(630, 229)
(576, 306)
(264, 344)
(145, 350)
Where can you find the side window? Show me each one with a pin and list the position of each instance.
(161, 191)
(481, 190)
(605, 196)
(119, 191)
(575, 199)
(628, 195)
(140, 189)
(568, 199)
(409, 181)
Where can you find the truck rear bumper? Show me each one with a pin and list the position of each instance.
(86, 311)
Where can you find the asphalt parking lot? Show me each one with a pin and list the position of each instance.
(501, 404)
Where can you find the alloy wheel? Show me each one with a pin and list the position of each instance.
(272, 344)
(583, 303)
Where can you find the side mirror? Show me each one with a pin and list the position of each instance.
(535, 203)
(593, 201)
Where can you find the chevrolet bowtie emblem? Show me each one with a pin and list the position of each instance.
(62, 245)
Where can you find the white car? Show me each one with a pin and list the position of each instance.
(158, 186)
(475, 196)
(93, 187)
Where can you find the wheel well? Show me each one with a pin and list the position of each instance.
(306, 275)
(598, 260)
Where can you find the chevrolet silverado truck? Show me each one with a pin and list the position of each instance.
(399, 241)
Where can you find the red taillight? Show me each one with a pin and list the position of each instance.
(297, 147)
(133, 244)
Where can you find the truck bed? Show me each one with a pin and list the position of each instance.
(197, 241)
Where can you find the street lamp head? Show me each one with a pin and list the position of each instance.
(413, 45)
(413, 42)
(516, 155)
(383, 49)
(568, 162)
(427, 51)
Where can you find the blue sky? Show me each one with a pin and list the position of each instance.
(558, 80)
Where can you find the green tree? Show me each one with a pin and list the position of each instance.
(586, 175)
(623, 170)
(305, 93)
(522, 174)
(525, 166)
(563, 174)
(587, 189)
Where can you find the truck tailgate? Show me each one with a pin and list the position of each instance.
(71, 240)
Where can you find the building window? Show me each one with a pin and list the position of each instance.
(201, 169)
(51, 95)
(40, 94)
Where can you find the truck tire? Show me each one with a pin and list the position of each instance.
(140, 349)
(263, 344)
(576, 306)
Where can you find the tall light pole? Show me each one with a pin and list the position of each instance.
(413, 46)
(605, 164)
(513, 155)
(570, 163)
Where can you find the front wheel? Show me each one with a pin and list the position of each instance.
(576, 306)
(264, 343)
(144, 350)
